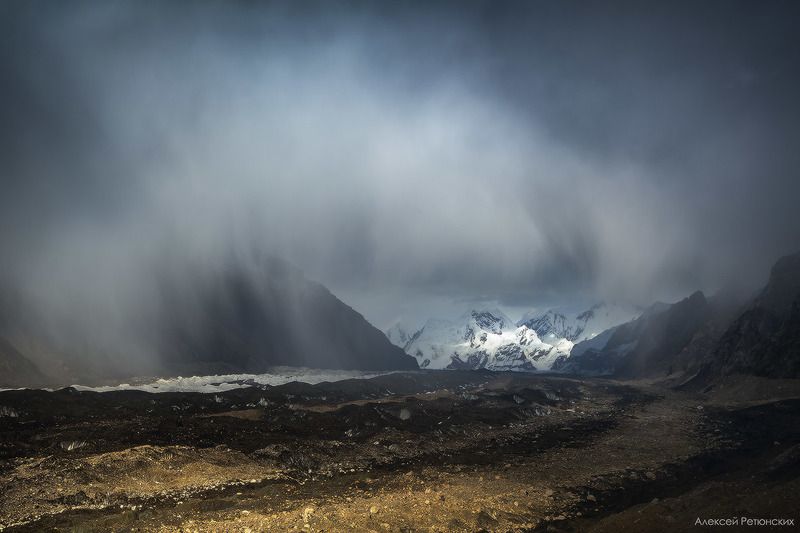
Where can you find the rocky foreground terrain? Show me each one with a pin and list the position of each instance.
(416, 451)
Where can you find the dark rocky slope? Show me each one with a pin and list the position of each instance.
(243, 318)
(648, 345)
(248, 319)
(765, 339)
(16, 370)
(708, 338)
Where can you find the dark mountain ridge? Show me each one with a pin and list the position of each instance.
(705, 338)
(16, 369)
(765, 339)
(646, 345)
(248, 320)
(243, 318)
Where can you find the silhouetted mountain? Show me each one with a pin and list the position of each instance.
(647, 345)
(724, 307)
(248, 319)
(765, 339)
(15, 369)
(233, 320)
(706, 338)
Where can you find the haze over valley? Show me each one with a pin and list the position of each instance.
(381, 266)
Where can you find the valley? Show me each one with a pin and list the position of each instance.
(409, 451)
(374, 266)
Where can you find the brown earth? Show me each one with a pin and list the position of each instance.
(421, 451)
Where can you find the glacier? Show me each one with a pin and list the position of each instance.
(222, 383)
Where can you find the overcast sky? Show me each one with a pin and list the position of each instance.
(417, 158)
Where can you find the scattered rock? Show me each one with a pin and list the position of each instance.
(8, 412)
(541, 410)
(457, 525)
(70, 445)
(486, 520)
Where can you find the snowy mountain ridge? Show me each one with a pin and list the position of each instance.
(482, 339)
(580, 326)
(488, 338)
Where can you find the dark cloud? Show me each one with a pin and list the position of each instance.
(403, 154)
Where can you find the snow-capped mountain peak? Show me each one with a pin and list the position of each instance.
(488, 338)
(481, 338)
(398, 334)
(490, 319)
(577, 327)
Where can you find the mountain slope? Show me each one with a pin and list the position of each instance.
(398, 335)
(241, 319)
(644, 346)
(578, 327)
(765, 339)
(706, 339)
(487, 338)
(483, 338)
(15, 369)
(251, 319)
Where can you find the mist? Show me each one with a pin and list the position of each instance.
(409, 158)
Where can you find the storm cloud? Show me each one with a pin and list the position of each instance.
(407, 156)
